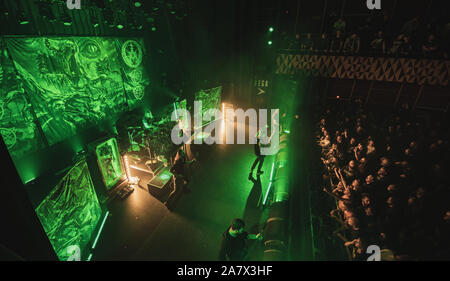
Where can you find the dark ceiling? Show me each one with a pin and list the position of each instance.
(188, 38)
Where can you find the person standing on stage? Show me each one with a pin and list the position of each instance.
(259, 157)
(180, 178)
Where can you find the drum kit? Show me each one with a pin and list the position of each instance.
(147, 151)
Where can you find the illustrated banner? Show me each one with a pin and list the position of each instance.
(132, 54)
(414, 71)
(17, 124)
(73, 82)
(70, 213)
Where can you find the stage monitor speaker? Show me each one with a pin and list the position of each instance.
(159, 185)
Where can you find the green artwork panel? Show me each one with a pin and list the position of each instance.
(110, 163)
(17, 125)
(132, 55)
(70, 213)
(210, 98)
(73, 82)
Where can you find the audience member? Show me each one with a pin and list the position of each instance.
(378, 44)
(322, 44)
(397, 197)
(307, 43)
(412, 40)
(430, 48)
(352, 44)
(336, 43)
(396, 44)
(339, 26)
(405, 48)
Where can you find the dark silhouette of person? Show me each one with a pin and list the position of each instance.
(259, 157)
(180, 178)
(234, 242)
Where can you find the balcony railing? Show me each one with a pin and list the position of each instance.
(373, 68)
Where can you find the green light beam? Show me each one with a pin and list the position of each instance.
(270, 183)
(100, 230)
(175, 107)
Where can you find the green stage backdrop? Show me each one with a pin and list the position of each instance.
(75, 82)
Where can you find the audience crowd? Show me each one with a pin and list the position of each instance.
(388, 174)
(377, 37)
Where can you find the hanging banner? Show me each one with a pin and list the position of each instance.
(70, 213)
(17, 125)
(73, 82)
(132, 55)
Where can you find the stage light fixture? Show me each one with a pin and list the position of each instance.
(65, 18)
(121, 19)
(4, 11)
(223, 111)
(269, 42)
(23, 21)
(270, 29)
(94, 20)
(21, 18)
(127, 167)
(148, 18)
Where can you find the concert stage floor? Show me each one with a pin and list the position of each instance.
(141, 228)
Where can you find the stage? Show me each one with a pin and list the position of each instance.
(141, 228)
